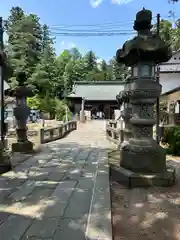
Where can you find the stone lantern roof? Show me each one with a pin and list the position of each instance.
(147, 46)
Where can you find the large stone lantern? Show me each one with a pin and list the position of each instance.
(142, 160)
(21, 113)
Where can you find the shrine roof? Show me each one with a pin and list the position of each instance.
(107, 90)
(97, 90)
(167, 89)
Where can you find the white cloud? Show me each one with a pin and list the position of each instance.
(67, 45)
(95, 3)
(120, 2)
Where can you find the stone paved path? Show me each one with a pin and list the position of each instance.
(60, 193)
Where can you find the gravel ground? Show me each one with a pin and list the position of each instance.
(151, 214)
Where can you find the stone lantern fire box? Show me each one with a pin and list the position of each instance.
(142, 160)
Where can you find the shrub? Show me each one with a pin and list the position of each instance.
(60, 111)
(172, 138)
(34, 102)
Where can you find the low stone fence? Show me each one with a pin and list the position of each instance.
(30, 133)
(113, 132)
(55, 133)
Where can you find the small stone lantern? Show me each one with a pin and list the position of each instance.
(21, 113)
(142, 160)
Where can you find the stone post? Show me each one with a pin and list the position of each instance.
(142, 160)
(172, 113)
(5, 161)
(21, 113)
(82, 115)
(120, 103)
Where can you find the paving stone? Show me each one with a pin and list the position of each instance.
(14, 227)
(70, 229)
(21, 193)
(60, 198)
(8, 186)
(25, 165)
(82, 156)
(55, 176)
(53, 163)
(73, 173)
(39, 193)
(36, 190)
(99, 225)
(46, 184)
(81, 197)
(35, 238)
(38, 176)
(44, 228)
(64, 167)
(71, 156)
(3, 216)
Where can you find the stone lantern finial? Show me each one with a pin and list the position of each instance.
(143, 20)
(21, 78)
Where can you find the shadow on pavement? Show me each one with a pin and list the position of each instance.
(49, 195)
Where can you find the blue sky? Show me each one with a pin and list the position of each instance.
(87, 12)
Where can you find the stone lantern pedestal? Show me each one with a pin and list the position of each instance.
(21, 113)
(142, 160)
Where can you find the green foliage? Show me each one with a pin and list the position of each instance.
(172, 138)
(55, 107)
(45, 104)
(48, 104)
(169, 33)
(34, 102)
(60, 110)
(162, 110)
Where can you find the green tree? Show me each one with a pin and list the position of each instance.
(75, 54)
(60, 110)
(90, 61)
(104, 69)
(23, 42)
(170, 34)
(119, 72)
(45, 76)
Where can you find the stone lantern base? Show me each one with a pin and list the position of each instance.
(23, 147)
(134, 180)
(5, 161)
